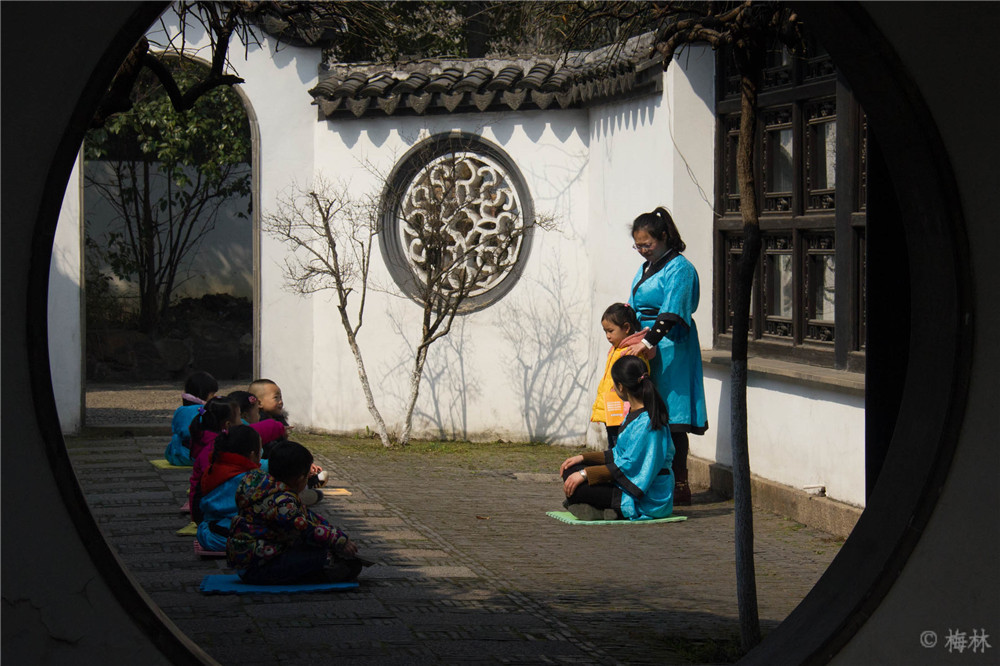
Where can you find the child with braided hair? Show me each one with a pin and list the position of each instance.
(634, 479)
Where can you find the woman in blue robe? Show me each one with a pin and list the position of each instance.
(665, 294)
(633, 480)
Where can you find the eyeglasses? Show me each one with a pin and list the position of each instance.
(642, 247)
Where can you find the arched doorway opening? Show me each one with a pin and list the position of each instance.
(169, 235)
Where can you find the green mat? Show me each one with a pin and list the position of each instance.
(191, 529)
(163, 463)
(567, 517)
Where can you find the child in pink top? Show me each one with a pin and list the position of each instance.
(241, 410)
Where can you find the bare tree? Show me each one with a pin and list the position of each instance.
(166, 176)
(331, 237)
(463, 232)
(220, 21)
(351, 31)
(747, 30)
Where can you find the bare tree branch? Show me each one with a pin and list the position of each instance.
(316, 223)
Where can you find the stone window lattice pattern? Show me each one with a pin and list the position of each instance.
(462, 211)
(457, 221)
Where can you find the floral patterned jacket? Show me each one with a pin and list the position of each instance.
(271, 520)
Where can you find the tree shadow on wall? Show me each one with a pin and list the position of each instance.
(449, 386)
(546, 370)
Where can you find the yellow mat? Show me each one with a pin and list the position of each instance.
(163, 463)
(191, 529)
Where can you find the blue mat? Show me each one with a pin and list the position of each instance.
(231, 584)
(567, 517)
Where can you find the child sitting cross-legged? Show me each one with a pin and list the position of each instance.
(199, 388)
(235, 453)
(270, 405)
(275, 539)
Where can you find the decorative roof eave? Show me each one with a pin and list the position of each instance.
(453, 85)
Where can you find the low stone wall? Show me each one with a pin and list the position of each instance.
(822, 513)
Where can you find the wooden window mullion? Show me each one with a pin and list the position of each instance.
(799, 304)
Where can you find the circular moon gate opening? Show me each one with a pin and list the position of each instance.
(917, 458)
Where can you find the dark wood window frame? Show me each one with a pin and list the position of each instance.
(811, 226)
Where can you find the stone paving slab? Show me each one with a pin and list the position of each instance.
(471, 570)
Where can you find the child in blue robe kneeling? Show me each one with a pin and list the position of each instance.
(236, 453)
(199, 388)
(633, 480)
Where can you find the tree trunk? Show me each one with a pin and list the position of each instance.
(383, 434)
(746, 580)
(149, 302)
(418, 371)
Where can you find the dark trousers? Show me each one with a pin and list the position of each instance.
(302, 564)
(680, 464)
(612, 435)
(599, 495)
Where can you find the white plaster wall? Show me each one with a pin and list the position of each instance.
(799, 435)
(629, 174)
(277, 85)
(689, 105)
(516, 370)
(65, 309)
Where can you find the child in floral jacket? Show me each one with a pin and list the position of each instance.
(275, 538)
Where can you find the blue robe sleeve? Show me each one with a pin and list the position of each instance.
(680, 291)
(638, 457)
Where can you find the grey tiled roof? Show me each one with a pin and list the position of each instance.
(573, 80)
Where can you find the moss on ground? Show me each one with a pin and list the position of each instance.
(499, 456)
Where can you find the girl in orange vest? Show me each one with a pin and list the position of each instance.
(621, 327)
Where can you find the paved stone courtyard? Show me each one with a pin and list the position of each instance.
(471, 569)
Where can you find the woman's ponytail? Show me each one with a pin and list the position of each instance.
(632, 373)
(659, 224)
(221, 444)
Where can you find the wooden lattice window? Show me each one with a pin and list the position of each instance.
(808, 294)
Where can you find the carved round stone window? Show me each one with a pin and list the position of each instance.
(456, 220)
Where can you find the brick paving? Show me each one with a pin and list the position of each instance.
(471, 569)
